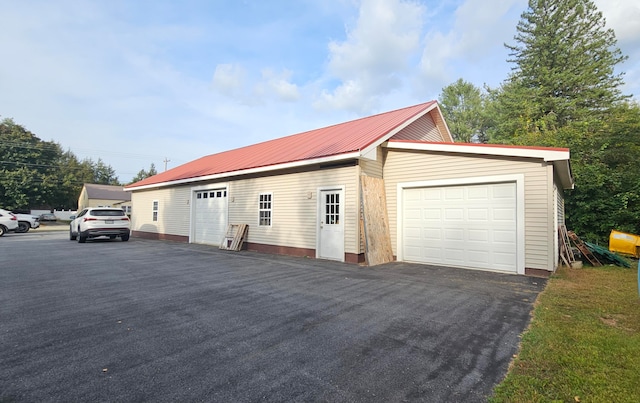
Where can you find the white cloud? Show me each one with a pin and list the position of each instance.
(235, 82)
(350, 95)
(368, 63)
(180, 82)
(481, 22)
(475, 38)
(229, 79)
(623, 16)
(280, 85)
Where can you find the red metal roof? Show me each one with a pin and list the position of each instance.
(343, 138)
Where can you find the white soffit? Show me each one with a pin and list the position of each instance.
(506, 151)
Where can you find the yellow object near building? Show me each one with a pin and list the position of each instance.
(627, 244)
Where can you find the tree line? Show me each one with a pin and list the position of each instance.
(40, 174)
(564, 91)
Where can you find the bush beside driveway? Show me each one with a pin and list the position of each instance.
(162, 321)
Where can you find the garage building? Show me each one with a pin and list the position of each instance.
(478, 206)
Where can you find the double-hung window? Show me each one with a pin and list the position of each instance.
(265, 209)
(155, 210)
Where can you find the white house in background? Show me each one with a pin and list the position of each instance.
(489, 207)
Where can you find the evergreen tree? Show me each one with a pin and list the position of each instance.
(104, 174)
(142, 174)
(564, 91)
(72, 175)
(565, 59)
(152, 170)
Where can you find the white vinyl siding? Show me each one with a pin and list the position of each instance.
(408, 166)
(559, 220)
(423, 129)
(173, 214)
(295, 205)
(559, 205)
(372, 168)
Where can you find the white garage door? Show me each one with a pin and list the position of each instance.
(470, 226)
(210, 216)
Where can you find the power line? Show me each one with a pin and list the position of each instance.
(56, 147)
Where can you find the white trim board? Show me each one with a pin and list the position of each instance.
(319, 204)
(269, 168)
(544, 154)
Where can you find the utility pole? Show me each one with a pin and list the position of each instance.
(165, 163)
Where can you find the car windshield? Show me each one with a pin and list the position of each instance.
(107, 213)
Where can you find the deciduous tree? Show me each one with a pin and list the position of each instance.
(36, 173)
(463, 108)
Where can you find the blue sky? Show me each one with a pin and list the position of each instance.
(135, 82)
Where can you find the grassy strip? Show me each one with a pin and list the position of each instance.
(583, 344)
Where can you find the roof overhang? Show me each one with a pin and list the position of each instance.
(258, 170)
(559, 157)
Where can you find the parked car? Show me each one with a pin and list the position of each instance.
(26, 222)
(48, 217)
(8, 222)
(93, 222)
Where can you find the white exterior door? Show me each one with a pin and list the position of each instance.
(331, 225)
(210, 216)
(472, 226)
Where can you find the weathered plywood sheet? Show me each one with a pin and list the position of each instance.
(377, 237)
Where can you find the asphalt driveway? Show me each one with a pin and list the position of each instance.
(161, 321)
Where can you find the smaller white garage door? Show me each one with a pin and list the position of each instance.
(210, 216)
(472, 226)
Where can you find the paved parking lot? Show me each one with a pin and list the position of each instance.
(161, 321)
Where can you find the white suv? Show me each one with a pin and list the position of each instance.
(26, 222)
(8, 221)
(94, 222)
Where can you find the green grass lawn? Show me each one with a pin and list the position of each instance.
(583, 344)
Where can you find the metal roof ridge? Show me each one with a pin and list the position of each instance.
(347, 142)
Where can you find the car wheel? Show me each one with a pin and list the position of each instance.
(23, 227)
(112, 237)
(2, 230)
(82, 238)
(72, 237)
(125, 238)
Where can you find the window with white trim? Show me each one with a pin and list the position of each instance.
(155, 210)
(211, 194)
(265, 209)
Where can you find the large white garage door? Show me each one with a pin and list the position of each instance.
(470, 226)
(210, 216)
